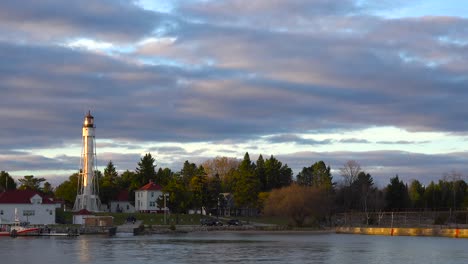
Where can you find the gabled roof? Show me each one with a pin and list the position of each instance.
(151, 186)
(122, 196)
(21, 197)
(82, 212)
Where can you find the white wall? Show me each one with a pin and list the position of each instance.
(146, 200)
(125, 206)
(43, 214)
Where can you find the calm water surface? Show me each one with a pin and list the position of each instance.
(210, 247)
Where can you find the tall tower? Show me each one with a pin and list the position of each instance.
(88, 190)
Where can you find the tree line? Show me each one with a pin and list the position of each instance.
(266, 186)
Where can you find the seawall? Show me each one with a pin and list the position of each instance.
(405, 231)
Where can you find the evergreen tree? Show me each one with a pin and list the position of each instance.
(317, 175)
(260, 172)
(396, 194)
(110, 173)
(189, 170)
(145, 170)
(163, 176)
(247, 185)
(6, 181)
(198, 187)
(108, 184)
(29, 182)
(416, 194)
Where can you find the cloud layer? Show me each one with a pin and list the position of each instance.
(228, 71)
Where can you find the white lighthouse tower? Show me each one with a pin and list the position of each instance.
(88, 189)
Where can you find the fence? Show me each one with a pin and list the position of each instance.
(403, 219)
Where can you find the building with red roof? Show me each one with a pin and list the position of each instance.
(27, 206)
(146, 198)
(122, 204)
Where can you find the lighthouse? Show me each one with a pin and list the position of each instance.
(88, 190)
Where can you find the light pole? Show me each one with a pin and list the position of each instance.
(165, 208)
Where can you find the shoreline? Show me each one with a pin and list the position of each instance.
(405, 231)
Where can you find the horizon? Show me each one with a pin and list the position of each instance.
(382, 83)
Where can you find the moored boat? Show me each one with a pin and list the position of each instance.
(18, 229)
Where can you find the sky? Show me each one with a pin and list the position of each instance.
(380, 82)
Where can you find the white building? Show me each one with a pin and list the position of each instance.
(27, 206)
(121, 204)
(146, 198)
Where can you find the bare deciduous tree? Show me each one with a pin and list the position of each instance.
(350, 172)
(220, 166)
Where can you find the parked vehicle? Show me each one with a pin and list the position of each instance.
(234, 222)
(210, 222)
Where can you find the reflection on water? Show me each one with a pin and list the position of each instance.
(210, 247)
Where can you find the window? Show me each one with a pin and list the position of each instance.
(152, 194)
(152, 204)
(50, 212)
(1, 212)
(28, 212)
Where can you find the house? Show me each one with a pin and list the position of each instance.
(146, 198)
(121, 204)
(27, 206)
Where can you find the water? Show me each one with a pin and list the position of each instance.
(214, 247)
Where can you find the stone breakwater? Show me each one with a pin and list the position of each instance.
(405, 231)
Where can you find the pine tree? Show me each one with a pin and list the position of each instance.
(247, 184)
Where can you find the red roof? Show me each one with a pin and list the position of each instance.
(151, 187)
(21, 197)
(82, 212)
(122, 196)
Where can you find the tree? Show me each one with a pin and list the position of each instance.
(298, 203)
(128, 181)
(396, 194)
(110, 173)
(214, 196)
(179, 197)
(317, 175)
(416, 194)
(350, 172)
(199, 188)
(6, 181)
(67, 190)
(108, 184)
(145, 170)
(29, 182)
(188, 171)
(47, 189)
(260, 172)
(432, 196)
(247, 186)
(221, 166)
(277, 174)
(163, 176)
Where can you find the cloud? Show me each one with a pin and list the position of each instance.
(402, 142)
(291, 138)
(53, 20)
(229, 72)
(354, 141)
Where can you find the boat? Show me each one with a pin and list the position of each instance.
(18, 229)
